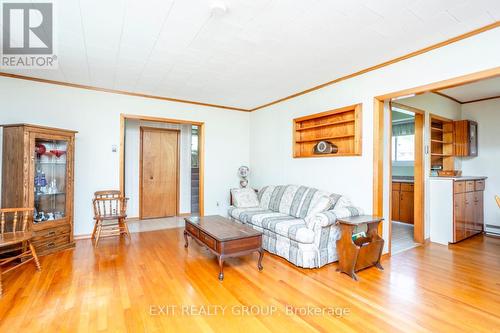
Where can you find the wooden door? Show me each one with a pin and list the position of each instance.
(459, 221)
(159, 172)
(395, 205)
(406, 203)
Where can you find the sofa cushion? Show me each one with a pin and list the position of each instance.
(244, 197)
(292, 228)
(294, 200)
(279, 223)
(236, 212)
(329, 218)
(322, 205)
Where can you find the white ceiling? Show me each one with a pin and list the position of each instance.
(257, 52)
(474, 91)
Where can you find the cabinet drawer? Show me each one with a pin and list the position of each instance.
(396, 186)
(208, 240)
(51, 243)
(406, 187)
(459, 187)
(50, 233)
(480, 185)
(192, 229)
(469, 186)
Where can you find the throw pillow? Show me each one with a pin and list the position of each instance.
(244, 197)
(323, 204)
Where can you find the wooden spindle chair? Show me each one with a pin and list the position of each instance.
(110, 212)
(16, 248)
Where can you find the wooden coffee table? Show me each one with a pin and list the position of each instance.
(224, 238)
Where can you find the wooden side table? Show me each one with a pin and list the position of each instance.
(363, 252)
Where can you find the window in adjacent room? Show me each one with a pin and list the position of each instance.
(404, 148)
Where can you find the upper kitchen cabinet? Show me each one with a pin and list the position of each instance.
(465, 134)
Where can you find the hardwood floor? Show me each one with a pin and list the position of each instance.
(121, 286)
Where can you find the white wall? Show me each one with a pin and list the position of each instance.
(96, 116)
(271, 127)
(487, 163)
(132, 160)
(440, 106)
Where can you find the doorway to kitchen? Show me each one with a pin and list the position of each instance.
(407, 177)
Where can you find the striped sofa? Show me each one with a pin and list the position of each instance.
(297, 223)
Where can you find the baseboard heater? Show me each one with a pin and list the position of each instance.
(491, 229)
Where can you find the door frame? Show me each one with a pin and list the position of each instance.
(177, 182)
(201, 149)
(419, 175)
(379, 130)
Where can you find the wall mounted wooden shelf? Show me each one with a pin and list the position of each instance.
(442, 143)
(341, 127)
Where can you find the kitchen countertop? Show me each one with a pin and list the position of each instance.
(458, 178)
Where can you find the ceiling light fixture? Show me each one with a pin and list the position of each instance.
(403, 97)
(219, 8)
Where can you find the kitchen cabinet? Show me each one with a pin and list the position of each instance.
(456, 208)
(402, 202)
(465, 138)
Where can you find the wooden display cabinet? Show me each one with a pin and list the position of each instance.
(37, 171)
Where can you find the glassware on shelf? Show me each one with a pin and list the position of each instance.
(52, 189)
(50, 179)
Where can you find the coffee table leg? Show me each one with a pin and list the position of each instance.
(221, 267)
(261, 255)
(186, 238)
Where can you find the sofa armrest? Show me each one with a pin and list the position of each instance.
(329, 218)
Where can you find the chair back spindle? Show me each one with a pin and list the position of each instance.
(2, 224)
(14, 219)
(110, 212)
(16, 248)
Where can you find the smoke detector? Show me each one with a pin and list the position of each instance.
(218, 8)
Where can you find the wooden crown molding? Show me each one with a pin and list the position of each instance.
(120, 92)
(387, 63)
(481, 99)
(343, 78)
(466, 102)
(448, 96)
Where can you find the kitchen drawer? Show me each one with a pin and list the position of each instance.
(459, 187)
(406, 187)
(480, 185)
(192, 229)
(46, 245)
(469, 186)
(50, 233)
(208, 240)
(396, 186)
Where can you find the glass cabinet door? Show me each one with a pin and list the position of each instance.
(50, 177)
